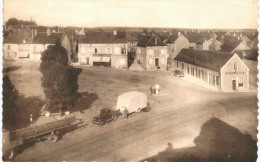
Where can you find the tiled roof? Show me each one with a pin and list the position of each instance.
(102, 37)
(131, 38)
(150, 41)
(16, 37)
(230, 43)
(211, 60)
(43, 38)
(172, 38)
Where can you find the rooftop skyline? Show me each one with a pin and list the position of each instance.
(210, 14)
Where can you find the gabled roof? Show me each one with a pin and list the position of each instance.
(43, 38)
(150, 41)
(230, 45)
(172, 38)
(102, 38)
(211, 60)
(16, 37)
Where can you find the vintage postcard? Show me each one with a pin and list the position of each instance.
(130, 81)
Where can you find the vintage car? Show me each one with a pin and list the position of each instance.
(178, 73)
(105, 115)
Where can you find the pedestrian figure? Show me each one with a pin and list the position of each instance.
(125, 113)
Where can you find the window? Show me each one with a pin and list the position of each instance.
(123, 51)
(95, 51)
(217, 80)
(87, 61)
(83, 50)
(188, 70)
(201, 74)
(108, 50)
(235, 67)
(182, 66)
(8, 47)
(240, 82)
(192, 71)
(177, 64)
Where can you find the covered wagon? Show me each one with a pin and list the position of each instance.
(133, 101)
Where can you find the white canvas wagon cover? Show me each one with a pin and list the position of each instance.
(132, 100)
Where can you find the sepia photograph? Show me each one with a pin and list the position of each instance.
(129, 80)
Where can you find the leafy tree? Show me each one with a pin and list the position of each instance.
(10, 95)
(59, 80)
(12, 21)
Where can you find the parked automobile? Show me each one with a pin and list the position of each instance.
(178, 73)
(105, 115)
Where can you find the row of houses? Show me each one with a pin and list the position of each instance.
(29, 44)
(221, 71)
(200, 55)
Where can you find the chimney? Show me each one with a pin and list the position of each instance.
(186, 31)
(155, 40)
(48, 32)
(115, 33)
(179, 33)
(241, 35)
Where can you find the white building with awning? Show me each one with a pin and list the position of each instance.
(103, 48)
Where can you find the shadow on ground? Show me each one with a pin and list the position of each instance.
(11, 68)
(218, 142)
(84, 102)
(25, 107)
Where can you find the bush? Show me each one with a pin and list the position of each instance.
(10, 95)
(59, 79)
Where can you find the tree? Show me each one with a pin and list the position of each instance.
(59, 79)
(12, 21)
(10, 95)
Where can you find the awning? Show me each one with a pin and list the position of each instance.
(97, 59)
(23, 54)
(105, 59)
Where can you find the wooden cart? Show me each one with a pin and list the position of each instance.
(51, 131)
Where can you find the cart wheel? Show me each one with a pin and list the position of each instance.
(9, 155)
(102, 122)
(139, 110)
(53, 138)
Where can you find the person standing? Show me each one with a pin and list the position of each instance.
(125, 113)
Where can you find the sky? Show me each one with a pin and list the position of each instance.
(199, 14)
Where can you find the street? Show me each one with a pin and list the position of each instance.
(177, 114)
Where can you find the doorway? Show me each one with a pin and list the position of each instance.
(156, 61)
(234, 87)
